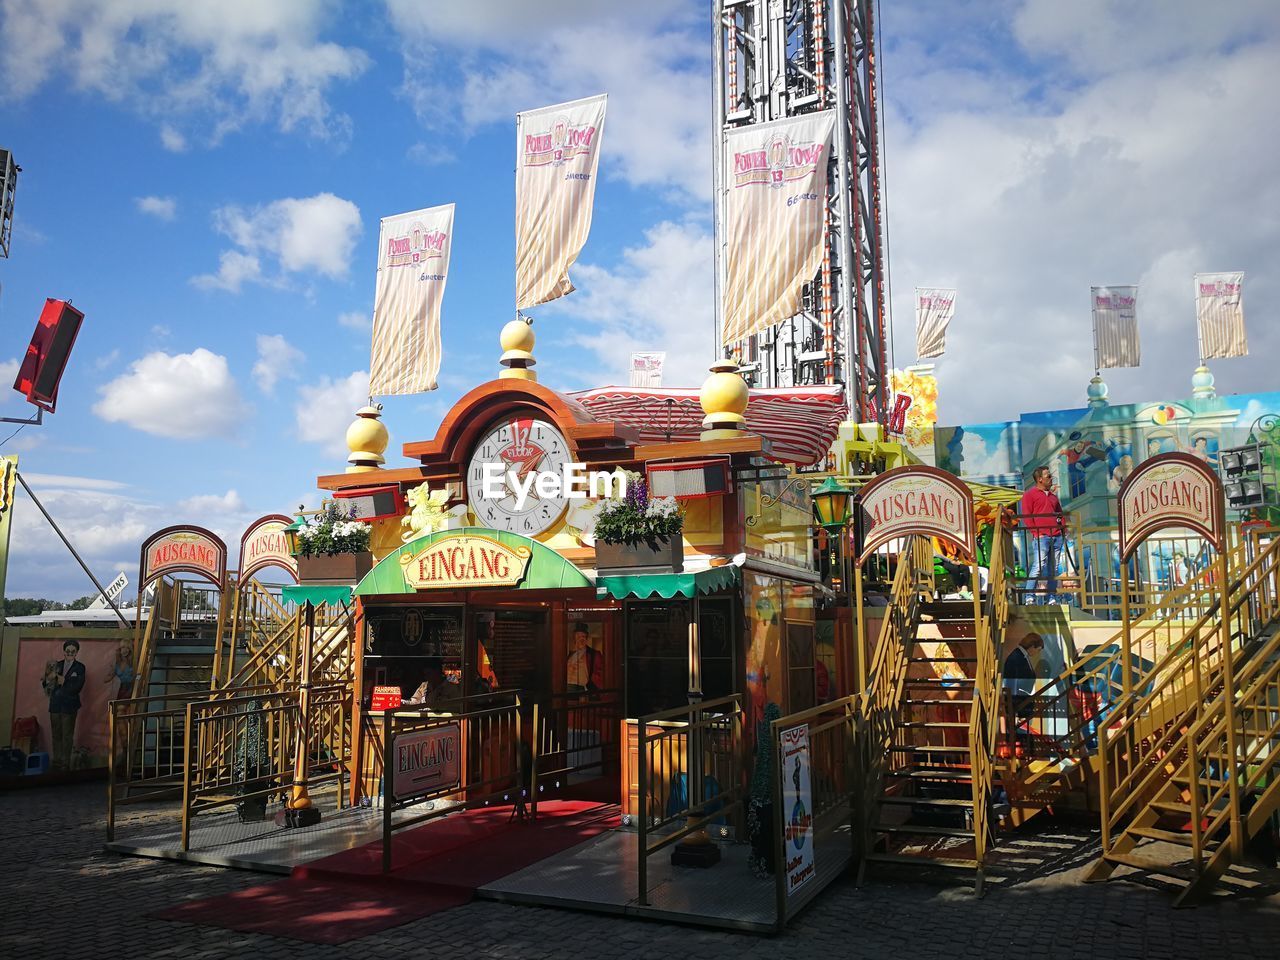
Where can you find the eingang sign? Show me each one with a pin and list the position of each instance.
(465, 560)
(427, 761)
(1170, 490)
(915, 500)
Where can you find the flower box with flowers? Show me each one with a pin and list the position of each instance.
(333, 548)
(637, 533)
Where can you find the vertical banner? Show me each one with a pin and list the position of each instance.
(413, 265)
(934, 309)
(1220, 315)
(557, 156)
(1115, 327)
(776, 192)
(797, 806)
(646, 369)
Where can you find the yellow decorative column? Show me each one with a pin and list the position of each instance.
(724, 397)
(517, 351)
(367, 439)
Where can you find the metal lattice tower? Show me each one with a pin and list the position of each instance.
(784, 58)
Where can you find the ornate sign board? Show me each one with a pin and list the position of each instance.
(265, 545)
(183, 549)
(464, 561)
(1170, 490)
(429, 761)
(915, 500)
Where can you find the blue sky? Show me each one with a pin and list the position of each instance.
(206, 185)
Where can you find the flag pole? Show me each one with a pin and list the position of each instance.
(1093, 314)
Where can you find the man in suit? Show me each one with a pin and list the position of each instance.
(64, 703)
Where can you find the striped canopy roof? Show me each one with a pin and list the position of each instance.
(800, 423)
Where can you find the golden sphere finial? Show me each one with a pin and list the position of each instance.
(724, 397)
(367, 439)
(517, 350)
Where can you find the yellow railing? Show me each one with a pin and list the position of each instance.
(1136, 761)
(984, 717)
(880, 702)
(1058, 720)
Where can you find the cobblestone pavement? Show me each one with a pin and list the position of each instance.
(64, 897)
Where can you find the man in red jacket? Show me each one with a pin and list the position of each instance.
(1043, 519)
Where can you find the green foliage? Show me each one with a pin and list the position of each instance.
(637, 519)
(332, 531)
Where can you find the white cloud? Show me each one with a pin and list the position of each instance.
(107, 523)
(185, 396)
(314, 234)
(172, 140)
(234, 270)
(218, 66)
(1095, 164)
(205, 504)
(653, 60)
(658, 298)
(107, 359)
(278, 359)
(356, 320)
(8, 373)
(58, 481)
(162, 208)
(326, 408)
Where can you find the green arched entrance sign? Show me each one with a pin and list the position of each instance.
(468, 558)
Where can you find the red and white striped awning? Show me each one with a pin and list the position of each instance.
(800, 423)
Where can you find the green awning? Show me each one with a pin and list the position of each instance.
(316, 594)
(648, 586)
(531, 565)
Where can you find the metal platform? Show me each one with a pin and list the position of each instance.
(600, 875)
(219, 839)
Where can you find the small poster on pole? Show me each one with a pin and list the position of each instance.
(797, 806)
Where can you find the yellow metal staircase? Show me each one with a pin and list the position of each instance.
(929, 766)
(1194, 760)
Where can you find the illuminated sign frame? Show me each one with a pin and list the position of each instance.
(1161, 493)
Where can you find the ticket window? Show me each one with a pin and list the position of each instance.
(404, 641)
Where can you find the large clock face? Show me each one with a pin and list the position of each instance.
(523, 449)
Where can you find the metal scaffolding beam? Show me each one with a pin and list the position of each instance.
(784, 58)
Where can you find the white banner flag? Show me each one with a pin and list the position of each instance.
(776, 192)
(646, 369)
(935, 307)
(1220, 315)
(1115, 327)
(413, 265)
(557, 155)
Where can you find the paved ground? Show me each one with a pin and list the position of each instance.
(63, 897)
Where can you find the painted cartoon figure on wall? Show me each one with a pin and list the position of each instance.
(1081, 453)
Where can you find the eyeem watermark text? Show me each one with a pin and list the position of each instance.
(573, 482)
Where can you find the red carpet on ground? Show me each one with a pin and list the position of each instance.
(435, 867)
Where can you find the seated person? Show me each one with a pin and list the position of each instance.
(435, 692)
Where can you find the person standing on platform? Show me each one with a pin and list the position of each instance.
(1043, 519)
(64, 686)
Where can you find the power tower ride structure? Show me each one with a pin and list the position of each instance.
(783, 58)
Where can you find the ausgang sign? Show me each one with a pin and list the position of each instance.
(915, 500)
(264, 545)
(183, 549)
(1170, 490)
(463, 561)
